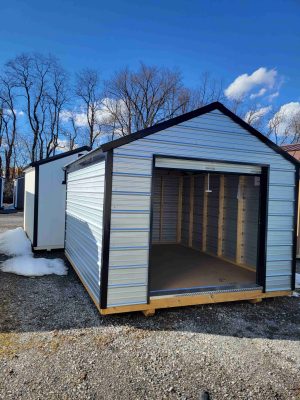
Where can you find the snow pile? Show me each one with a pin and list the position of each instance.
(15, 243)
(29, 266)
(297, 281)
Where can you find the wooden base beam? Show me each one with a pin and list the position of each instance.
(181, 301)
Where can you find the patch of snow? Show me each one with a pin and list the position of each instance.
(28, 266)
(15, 243)
(297, 283)
(295, 294)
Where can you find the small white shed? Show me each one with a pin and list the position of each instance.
(44, 200)
(198, 209)
(18, 194)
(2, 181)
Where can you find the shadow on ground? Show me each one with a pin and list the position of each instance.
(61, 303)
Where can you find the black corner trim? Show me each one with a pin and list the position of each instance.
(36, 206)
(106, 229)
(58, 156)
(295, 239)
(263, 225)
(193, 114)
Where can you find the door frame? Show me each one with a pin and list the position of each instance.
(262, 210)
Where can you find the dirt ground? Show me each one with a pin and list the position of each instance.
(55, 345)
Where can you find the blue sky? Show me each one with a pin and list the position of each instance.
(227, 38)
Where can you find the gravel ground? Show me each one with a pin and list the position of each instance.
(55, 345)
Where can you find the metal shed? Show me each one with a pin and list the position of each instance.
(44, 200)
(199, 209)
(2, 182)
(18, 194)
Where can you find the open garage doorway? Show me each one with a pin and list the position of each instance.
(205, 230)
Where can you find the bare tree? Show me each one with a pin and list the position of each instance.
(8, 122)
(72, 132)
(29, 73)
(1, 137)
(137, 100)
(56, 98)
(87, 91)
(42, 87)
(206, 91)
(284, 128)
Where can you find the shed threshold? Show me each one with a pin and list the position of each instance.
(205, 290)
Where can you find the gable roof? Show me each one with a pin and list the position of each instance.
(193, 114)
(57, 156)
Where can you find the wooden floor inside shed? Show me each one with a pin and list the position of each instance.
(174, 266)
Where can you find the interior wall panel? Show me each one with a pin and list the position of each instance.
(252, 190)
(230, 216)
(185, 221)
(213, 214)
(198, 211)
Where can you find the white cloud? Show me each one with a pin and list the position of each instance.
(254, 116)
(272, 96)
(245, 83)
(103, 114)
(17, 112)
(283, 119)
(260, 93)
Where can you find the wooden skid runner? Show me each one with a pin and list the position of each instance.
(180, 301)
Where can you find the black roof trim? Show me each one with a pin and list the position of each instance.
(88, 159)
(58, 156)
(193, 114)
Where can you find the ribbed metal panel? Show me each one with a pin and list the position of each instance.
(84, 211)
(156, 208)
(170, 207)
(281, 282)
(164, 225)
(252, 190)
(212, 136)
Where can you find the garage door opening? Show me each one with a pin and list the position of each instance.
(204, 231)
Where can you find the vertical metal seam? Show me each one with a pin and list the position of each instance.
(151, 227)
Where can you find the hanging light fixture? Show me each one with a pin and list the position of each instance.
(208, 190)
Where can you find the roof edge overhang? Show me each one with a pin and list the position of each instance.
(193, 114)
(57, 157)
(91, 157)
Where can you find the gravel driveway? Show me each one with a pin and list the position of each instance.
(55, 345)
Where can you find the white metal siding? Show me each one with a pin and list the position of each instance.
(211, 136)
(52, 199)
(84, 214)
(29, 202)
